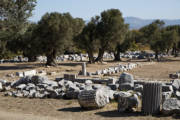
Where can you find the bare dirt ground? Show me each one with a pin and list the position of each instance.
(51, 109)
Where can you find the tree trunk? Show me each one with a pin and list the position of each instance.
(32, 58)
(100, 55)
(117, 56)
(167, 52)
(174, 51)
(91, 57)
(156, 56)
(51, 58)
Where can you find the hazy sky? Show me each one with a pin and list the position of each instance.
(147, 9)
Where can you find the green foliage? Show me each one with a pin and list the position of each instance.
(149, 30)
(55, 32)
(31, 44)
(87, 40)
(77, 25)
(152, 34)
(111, 30)
(13, 22)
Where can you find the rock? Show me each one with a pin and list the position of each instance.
(125, 86)
(73, 88)
(82, 87)
(127, 101)
(19, 74)
(126, 78)
(72, 94)
(10, 75)
(30, 86)
(99, 72)
(52, 73)
(49, 89)
(61, 84)
(29, 73)
(24, 80)
(3, 82)
(166, 95)
(39, 95)
(139, 95)
(32, 93)
(42, 86)
(1, 87)
(110, 94)
(68, 83)
(167, 88)
(9, 93)
(43, 80)
(89, 74)
(38, 79)
(171, 106)
(176, 84)
(177, 95)
(53, 94)
(105, 71)
(42, 73)
(93, 99)
(88, 82)
(126, 81)
(70, 77)
(7, 88)
(58, 79)
(113, 86)
(138, 88)
(21, 87)
(18, 94)
(88, 87)
(25, 93)
(112, 81)
(174, 76)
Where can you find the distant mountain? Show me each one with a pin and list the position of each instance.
(136, 23)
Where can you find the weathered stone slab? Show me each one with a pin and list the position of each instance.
(93, 99)
(30, 73)
(171, 106)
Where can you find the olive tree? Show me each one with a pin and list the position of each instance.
(55, 32)
(110, 29)
(87, 40)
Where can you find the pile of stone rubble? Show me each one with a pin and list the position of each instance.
(174, 75)
(42, 87)
(16, 59)
(125, 90)
(80, 57)
(119, 68)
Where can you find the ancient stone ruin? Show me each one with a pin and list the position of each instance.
(95, 93)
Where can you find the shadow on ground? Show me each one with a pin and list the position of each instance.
(115, 113)
(15, 67)
(70, 64)
(75, 109)
(71, 109)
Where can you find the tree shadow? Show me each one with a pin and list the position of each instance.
(176, 117)
(76, 109)
(70, 64)
(71, 109)
(115, 113)
(15, 67)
